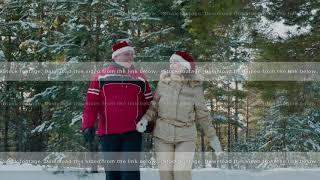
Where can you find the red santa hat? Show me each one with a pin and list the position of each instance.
(184, 59)
(120, 48)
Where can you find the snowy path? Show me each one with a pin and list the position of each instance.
(147, 174)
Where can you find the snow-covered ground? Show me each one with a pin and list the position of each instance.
(15, 172)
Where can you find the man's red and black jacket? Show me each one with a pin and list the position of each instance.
(117, 97)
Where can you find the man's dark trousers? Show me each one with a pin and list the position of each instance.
(121, 145)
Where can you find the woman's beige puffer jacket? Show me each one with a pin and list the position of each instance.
(176, 107)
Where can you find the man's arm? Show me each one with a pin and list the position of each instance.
(92, 104)
(146, 98)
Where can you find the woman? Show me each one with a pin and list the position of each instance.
(177, 105)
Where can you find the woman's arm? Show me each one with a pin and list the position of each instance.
(202, 113)
(202, 117)
(147, 121)
(152, 111)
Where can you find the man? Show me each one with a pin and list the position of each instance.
(118, 96)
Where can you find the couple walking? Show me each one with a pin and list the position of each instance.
(119, 96)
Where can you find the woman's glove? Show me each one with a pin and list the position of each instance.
(215, 144)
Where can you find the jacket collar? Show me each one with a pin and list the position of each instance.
(118, 66)
(195, 80)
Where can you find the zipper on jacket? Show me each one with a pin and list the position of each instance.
(178, 103)
(174, 138)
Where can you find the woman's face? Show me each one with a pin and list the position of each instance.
(176, 68)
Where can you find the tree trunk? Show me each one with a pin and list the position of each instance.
(7, 107)
(236, 114)
(247, 118)
(229, 124)
(98, 31)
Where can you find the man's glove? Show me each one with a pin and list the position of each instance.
(142, 125)
(89, 134)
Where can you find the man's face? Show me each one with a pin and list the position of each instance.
(125, 59)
